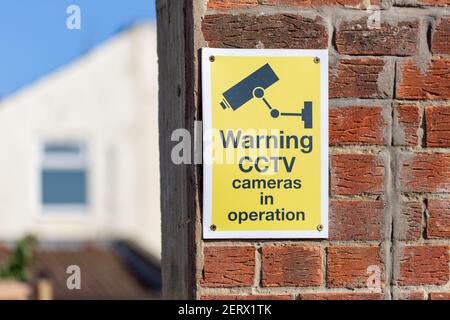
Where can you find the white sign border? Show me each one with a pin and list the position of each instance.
(207, 149)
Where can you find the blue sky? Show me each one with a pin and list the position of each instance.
(34, 39)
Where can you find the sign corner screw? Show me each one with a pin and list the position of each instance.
(213, 227)
(212, 58)
(316, 60)
(319, 227)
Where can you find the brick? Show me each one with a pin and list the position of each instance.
(440, 295)
(434, 83)
(440, 42)
(425, 172)
(437, 125)
(291, 266)
(437, 3)
(424, 265)
(411, 295)
(248, 297)
(347, 266)
(438, 223)
(357, 4)
(228, 266)
(270, 31)
(355, 219)
(409, 225)
(231, 4)
(361, 38)
(356, 125)
(358, 78)
(342, 296)
(356, 174)
(407, 121)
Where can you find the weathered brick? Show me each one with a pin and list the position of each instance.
(248, 297)
(228, 266)
(359, 37)
(291, 266)
(440, 295)
(356, 125)
(347, 266)
(424, 265)
(270, 31)
(231, 4)
(342, 296)
(357, 4)
(406, 125)
(355, 219)
(410, 295)
(356, 174)
(432, 84)
(438, 3)
(438, 222)
(409, 225)
(437, 125)
(358, 78)
(425, 172)
(441, 36)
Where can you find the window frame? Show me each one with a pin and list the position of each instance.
(64, 161)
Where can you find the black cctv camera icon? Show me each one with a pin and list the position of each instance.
(254, 86)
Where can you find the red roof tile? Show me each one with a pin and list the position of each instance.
(103, 274)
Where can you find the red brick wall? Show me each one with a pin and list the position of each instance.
(389, 152)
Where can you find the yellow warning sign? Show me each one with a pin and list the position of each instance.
(265, 134)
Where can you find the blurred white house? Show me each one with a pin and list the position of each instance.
(79, 148)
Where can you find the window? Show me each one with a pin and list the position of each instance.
(64, 175)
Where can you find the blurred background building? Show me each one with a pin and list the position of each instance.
(79, 149)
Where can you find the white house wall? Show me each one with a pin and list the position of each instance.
(109, 100)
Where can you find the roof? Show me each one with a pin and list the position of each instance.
(103, 273)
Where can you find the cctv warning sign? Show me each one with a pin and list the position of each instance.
(265, 143)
